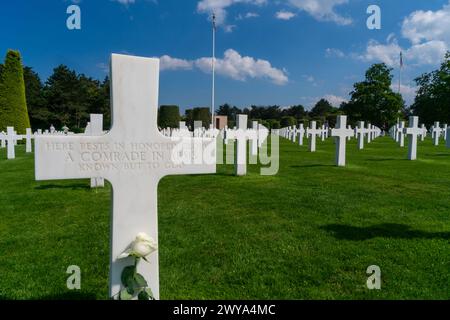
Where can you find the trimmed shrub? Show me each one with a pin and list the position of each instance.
(13, 104)
(169, 116)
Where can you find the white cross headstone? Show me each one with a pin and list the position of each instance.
(182, 125)
(444, 131)
(360, 131)
(349, 127)
(423, 134)
(2, 140)
(323, 134)
(401, 135)
(341, 133)
(301, 134)
(413, 131)
(241, 145)
(11, 139)
(28, 138)
(369, 132)
(134, 156)
(436, 131)
(312, 132)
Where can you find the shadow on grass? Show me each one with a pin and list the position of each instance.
(440, 155)
(385, 230)
(59, 297)
(384, 159)
(313, 166)
(75, 186)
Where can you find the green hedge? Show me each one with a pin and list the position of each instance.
(13, 104)
(169, 117)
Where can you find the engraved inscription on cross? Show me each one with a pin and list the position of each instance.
(133, 157)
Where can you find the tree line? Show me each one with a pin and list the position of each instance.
(67, 98)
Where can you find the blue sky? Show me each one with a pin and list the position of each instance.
(269, 52)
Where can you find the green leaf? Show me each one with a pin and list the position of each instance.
(143, 295)
(127, 275)
(140, 280)
(125, 295)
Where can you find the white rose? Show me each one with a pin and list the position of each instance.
(141, 247)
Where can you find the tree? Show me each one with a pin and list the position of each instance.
(321, 109)
(288, 121)
(373, 99)
(13, 104)
(169, 117)
(298, 112)
(36, 103)
(273, 124)
(202, 114)
(432, 102)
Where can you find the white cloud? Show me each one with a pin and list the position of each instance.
(333, 52)
(387, 53)
(334, 100)
(219, 7)
(322, 10)
(233, 66)
(422, 26)
(285, 15)
(237, 67)
(408, 92)
(169, 63)
(427, 32)
(248, 15)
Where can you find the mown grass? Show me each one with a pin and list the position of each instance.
(309, 232)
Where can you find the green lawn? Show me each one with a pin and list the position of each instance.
(309, 232)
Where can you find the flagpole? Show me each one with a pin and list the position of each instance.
(400, 73)
(213, 69)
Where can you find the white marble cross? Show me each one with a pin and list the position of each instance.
(444, 131)
(2, 139)
(369, 132)
(28, 137)
(360, 132)
(400, 134)
(312, 132)
(294, 133)
(134, 156)
(301, 134)
(241, 137)
(323, 134)
(11, 139)
(423, 134)
(349, 127)
(436, 132)
(341, 133)
(413, 131)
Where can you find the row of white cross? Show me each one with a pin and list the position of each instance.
(342, 132)
(398, 132)
(241, 134)
(9, 139)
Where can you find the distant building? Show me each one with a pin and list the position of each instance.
(220, 122)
